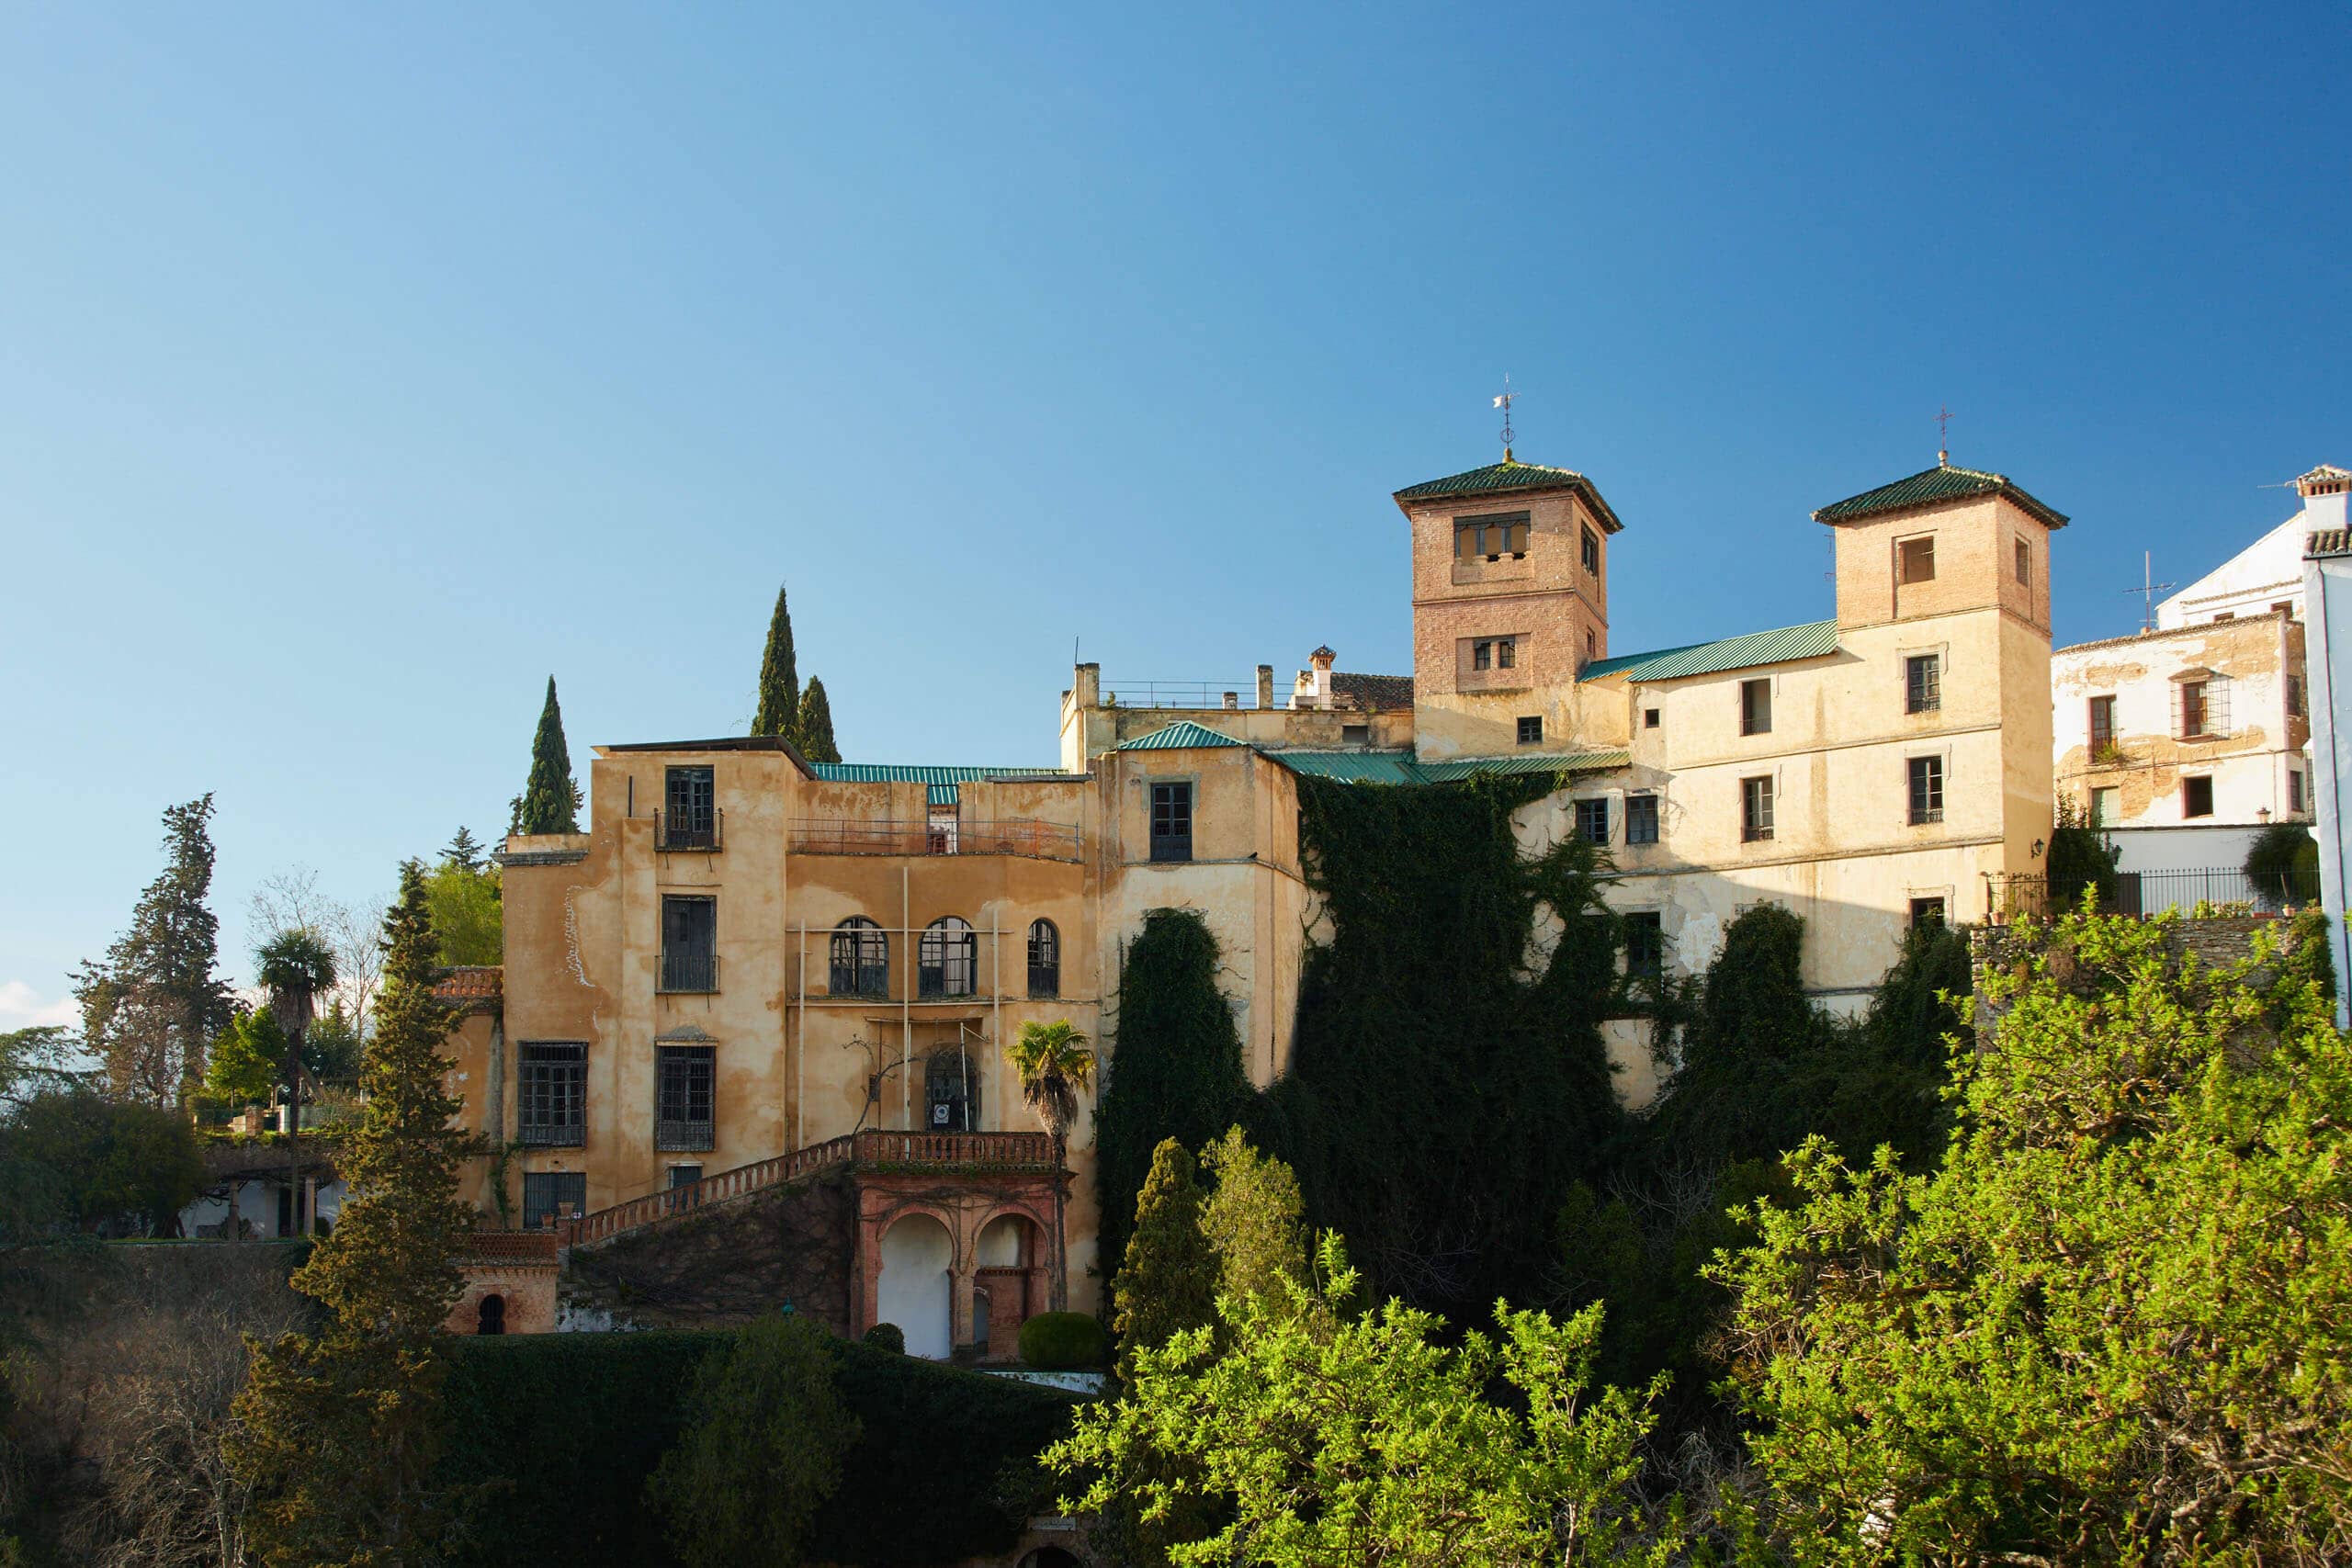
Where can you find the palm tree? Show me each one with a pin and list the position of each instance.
(296, 969)
(1054, 1066)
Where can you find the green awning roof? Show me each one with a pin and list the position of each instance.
(942, 779)
(1181, 736)
(1779, 645)
(1942, 482)
(1402, 768)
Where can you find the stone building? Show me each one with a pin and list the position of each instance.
(752, 979)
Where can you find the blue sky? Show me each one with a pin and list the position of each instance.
(361, 366)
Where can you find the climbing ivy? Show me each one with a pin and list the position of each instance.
(1449, 1081)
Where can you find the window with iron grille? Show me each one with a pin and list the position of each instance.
(2200, 708)
(1530, 730)
(1641, 820)
(1927, 789)
(947, 960)
(1172, 821)
(684, 1077)
(1591, 552)
(551, 1095)
(1044, 959)
(1922, 682)
(1756, 707)
(1592, 821)
(545, 1192)
(952, 1091)
(689, 809)
(689, 943)
(1645, 944)
(860, 960)
(2102, 726)
(1754, 809)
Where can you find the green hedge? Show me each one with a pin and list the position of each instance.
(576, 1422)
(1062, 1341)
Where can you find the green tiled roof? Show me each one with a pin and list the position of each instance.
(1942, 482)
(941, 780)
(1401, 768)
(1497, 477)
(1181, 736)
(1779, 645)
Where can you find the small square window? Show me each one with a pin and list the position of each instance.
(2197, 797)
(1641, 820)
(1649, 718)
(1644, 945)
(1927, 789)
(1927, 912)
(1355, 735)
(1592, 821)
(1754, 809)
(1922, 682)
(2025, 563)
(1531, 731)
(1918, 557)
(1756, 707)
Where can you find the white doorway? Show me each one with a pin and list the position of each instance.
(915, 1292)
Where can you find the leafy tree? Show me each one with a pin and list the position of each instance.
(2114, 1323)
(248, 1061)
(331, 1051)
(340, 1428)
(114, 1167)
(1253, 1219)
(765, 1437)
(33, 1059)
(469, 914)
(2283, 863)
(1180, 1062)
(465, 853)
(779, 706)
(1325, 1436)
(1168, 1275)
(816, 726)
(153, 1004)
(550, 799)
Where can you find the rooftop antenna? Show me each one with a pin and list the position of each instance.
(1503, 402)
(2148, 590)
(1943, 436)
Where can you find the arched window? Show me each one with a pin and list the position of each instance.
(948, 961)
(952, 1091)
(491, 1315)
(861, 966)
(1044, 959)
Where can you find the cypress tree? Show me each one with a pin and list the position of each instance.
(340, 1429)
(779, 710)
(150, 1007)
(1168, 1278)
(550, 799)
(817, 724)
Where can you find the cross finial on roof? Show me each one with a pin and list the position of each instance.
(1503, 402)
(1943, 436)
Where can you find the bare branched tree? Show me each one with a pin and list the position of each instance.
(353, 933)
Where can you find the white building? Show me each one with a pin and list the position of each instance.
(2327, 587)
(2186, 741)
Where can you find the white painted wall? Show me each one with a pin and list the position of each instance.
(2327, 584)
(913, 1290)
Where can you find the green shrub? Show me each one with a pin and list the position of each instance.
(887, 1337)
(569, 1427)
(1062, 1341)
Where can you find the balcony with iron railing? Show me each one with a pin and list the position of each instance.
(937, 836)
(689, 972)
(680, 830)
(685, 1137)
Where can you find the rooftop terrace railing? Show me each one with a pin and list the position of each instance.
(1185, 695)
(2143, 894)
(936, 836)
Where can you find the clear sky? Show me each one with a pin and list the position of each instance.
(360, 366)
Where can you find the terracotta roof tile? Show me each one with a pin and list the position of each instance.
(469, 983)
(1379, 693)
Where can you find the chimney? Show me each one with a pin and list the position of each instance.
(1265, 686)
(1232, 701)
(1086, 686)
(1322, 659)
(2324, 491)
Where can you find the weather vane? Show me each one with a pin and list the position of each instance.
(1503, 402)
(1944, 436)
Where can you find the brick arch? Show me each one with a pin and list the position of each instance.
(959, 1238)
